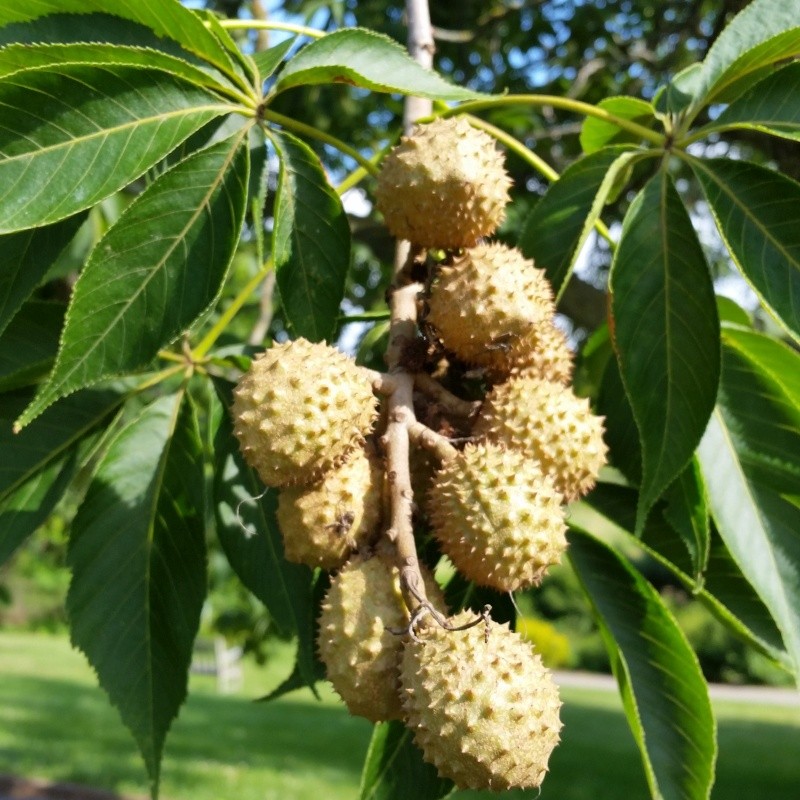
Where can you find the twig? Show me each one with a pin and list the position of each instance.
(449, 402)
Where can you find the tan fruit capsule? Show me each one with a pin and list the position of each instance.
(546, 422)
(497, 516)
(492, 307)
(324, 522)
(483, 708)
(443, 186)
(360, 653)
(299, 409)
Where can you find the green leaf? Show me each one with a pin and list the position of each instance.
(29, 344)
(751, 469)
(57, 125)
(154, 272)
(559, 224)
(597, 133)
(394, 768)
(248, 531)
(242, 62)
(725, 591)
(769, 106)
(730, 311)
(25, 509)
(166, 18)
(270, 59)
(370, 60)
(666, 333)
(17, 58)
(663, 690)
(679, 92)
(757, 212)
(310, 241)
(137, 554)
(621, 434)
(764, 32)
(26, 258)
(687, 512)
(27, 453)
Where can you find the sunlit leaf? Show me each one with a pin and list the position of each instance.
(757, 212)
(166, 18)
(154, 272)
(58, 125)
(663, 690)
(598, 133)
(749, 461)
(310, 241)
(370, 60)
(666, 333)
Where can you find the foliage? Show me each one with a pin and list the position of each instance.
(131, 383)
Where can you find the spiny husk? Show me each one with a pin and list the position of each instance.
(443, 186)
(492, 307)
(299, 409)
(547, 422)
(483, 708)
(497, 516)
(324, 522)
(360, 653)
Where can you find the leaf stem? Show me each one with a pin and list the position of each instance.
(208, 341)
(308, 130)
(567, 103)
(526, 154)
(268, 25)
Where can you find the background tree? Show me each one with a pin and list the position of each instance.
(130, 384)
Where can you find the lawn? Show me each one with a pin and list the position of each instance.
(56, 724)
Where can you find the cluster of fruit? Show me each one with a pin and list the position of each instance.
(483, 708)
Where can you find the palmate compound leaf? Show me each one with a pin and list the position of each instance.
(370, 60)
(155, 271)
(166, 18)
(663, 691)
(137, 553)
(757, 212)
(666, 333)
(249, 535)
(72, 135)
(310, 241)
(749, 458)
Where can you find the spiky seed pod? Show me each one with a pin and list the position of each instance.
(322, 523)
(443, 186)
(361, 656)
(543, 352)
(483, 708)
(497, 516)
(298, 411)
(547, 422)
(487, 302)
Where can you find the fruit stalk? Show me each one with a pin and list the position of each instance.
(401, 415)
(403, 329)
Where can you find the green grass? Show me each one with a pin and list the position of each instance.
(56, 724)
